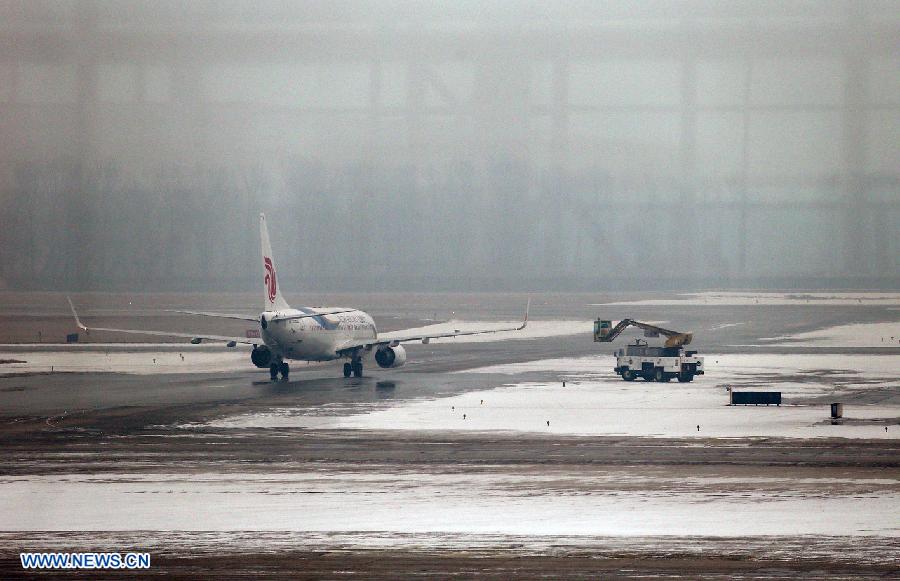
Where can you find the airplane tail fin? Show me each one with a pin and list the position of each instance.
(274, 300)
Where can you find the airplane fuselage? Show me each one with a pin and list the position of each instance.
(317, 338)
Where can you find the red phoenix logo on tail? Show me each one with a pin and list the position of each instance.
(271, 285)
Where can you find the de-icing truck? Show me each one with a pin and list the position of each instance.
(651, 363)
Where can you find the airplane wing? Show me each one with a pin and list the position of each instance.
(216, 315)
(195, 338)
(397, 337)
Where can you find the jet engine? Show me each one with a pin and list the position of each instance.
(390, 356)
(261, 356)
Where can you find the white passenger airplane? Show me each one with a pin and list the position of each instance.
(309, 333)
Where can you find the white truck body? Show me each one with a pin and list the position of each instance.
(658, 363)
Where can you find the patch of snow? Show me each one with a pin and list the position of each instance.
(470, 502)
(619, 409)
(855, 335)
(136, 362)
(763, 298)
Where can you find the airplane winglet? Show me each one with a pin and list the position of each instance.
(74, 314)
(525, 321)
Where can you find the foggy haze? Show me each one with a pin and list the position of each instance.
(466, 145)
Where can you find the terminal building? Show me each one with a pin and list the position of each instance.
(484, 144)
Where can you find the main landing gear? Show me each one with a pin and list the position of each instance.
(355, 367)
(277, 368)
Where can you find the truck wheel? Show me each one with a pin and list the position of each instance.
(628, 375)
(685, 377)
(659, 375)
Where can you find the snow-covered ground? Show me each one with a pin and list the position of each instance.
(763, 298)
(729, 368)
(606, 409)
(643, 501)
(595, 402)
(856, 335)
(141, 360)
